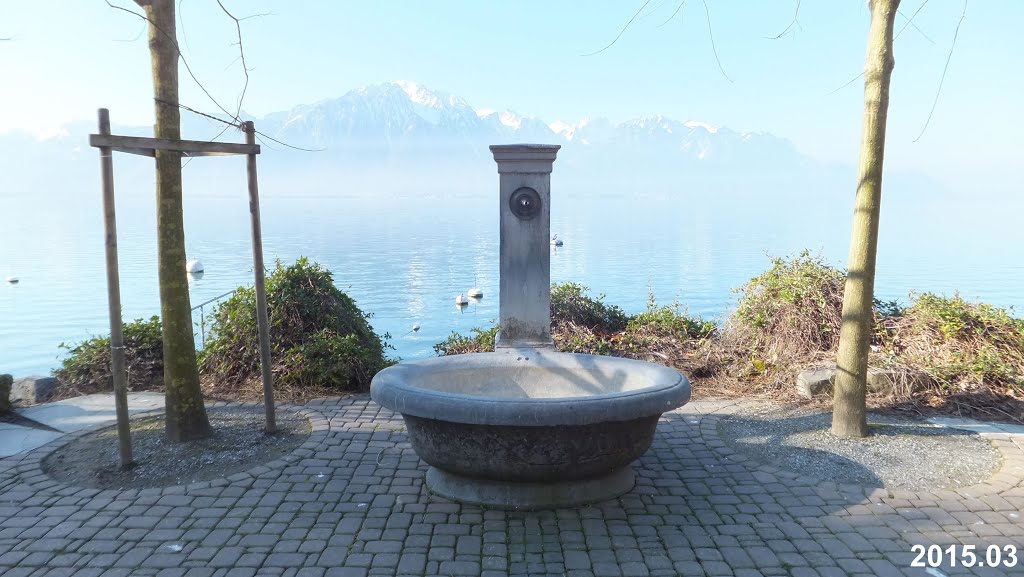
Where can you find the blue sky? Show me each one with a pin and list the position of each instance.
(67, 58)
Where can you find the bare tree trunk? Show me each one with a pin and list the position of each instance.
(849, 418)
(186, 415)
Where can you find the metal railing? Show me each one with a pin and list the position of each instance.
(202, 315)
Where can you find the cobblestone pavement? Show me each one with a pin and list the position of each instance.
(351, 502)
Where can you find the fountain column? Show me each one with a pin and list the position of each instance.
(527, 427)
(524, 306)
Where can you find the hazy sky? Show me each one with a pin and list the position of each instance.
(67, 58)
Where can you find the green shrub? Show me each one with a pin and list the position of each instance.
(790, 312)
(957, 318)
(581, 324)
(961, 344)
(481, 341)
(86, 369)
(570, 305)
(671, 321)
(319, 337)
(889, 309)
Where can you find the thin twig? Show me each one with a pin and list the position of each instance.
(142, 31)
(271, 138)
(235, 117)
(909, 22)
(653, 10)
(849, 82)
(241, 54)
(711, 34)
(915, 27)
(215, 137)
(177, 48)
(794, 22)
(672, 17)
(621, 32)
(181, 23)
(944, 70)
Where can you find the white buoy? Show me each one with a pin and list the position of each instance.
(475, 293)
(12, 279)
(555, 241)
(415, 328)
(194, 266)
(461, 300)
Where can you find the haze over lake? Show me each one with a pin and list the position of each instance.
(404, 255)
(399, 201)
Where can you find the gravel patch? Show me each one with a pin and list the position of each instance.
(899, 454)
(238, 443)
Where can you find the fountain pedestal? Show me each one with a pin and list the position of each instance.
(526, 427)
(524, 209)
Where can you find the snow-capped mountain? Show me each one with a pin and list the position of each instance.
(407, 130)
(398, 118)
(383, 112)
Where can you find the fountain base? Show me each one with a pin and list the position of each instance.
(529, 496)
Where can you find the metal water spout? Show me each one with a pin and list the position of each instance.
(524, 307)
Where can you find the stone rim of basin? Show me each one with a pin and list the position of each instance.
(396, 388)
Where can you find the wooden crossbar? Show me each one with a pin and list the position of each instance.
(148, 146)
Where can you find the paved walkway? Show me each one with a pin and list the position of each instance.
(68, 416)
(351, 502)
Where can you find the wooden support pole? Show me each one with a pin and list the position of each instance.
(261, 290)
(114, 298)
(147, 146)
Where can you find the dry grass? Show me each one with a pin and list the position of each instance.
(948, 355)
(251, 389)
(787, 319)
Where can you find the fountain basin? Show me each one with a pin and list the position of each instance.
(529, 428)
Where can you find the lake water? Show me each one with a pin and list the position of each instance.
(404, 257)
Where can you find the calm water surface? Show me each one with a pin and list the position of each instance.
(405, 257)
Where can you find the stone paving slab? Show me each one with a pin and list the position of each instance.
(15, 439)
(89, 410)
(351, 502)
(979, 427)
(68, 416)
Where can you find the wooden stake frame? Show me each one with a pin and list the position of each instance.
(108, 144)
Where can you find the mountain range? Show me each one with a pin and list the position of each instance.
(398, 119)
(404, 129)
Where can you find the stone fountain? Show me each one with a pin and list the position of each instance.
(526, 427)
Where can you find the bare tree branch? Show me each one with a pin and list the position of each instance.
(271, 138)
(909, 22)
(915, 26)
(236, 121)
(230, 125)
(711, 33)
(848, 82)
(258, 15)
(142, 30)
(911, 19)
(944, 70)
(621, 32)
(795, 23)
(653, 10)
(672, 17)
(181, 24)
(180, 55)
(241, 55)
